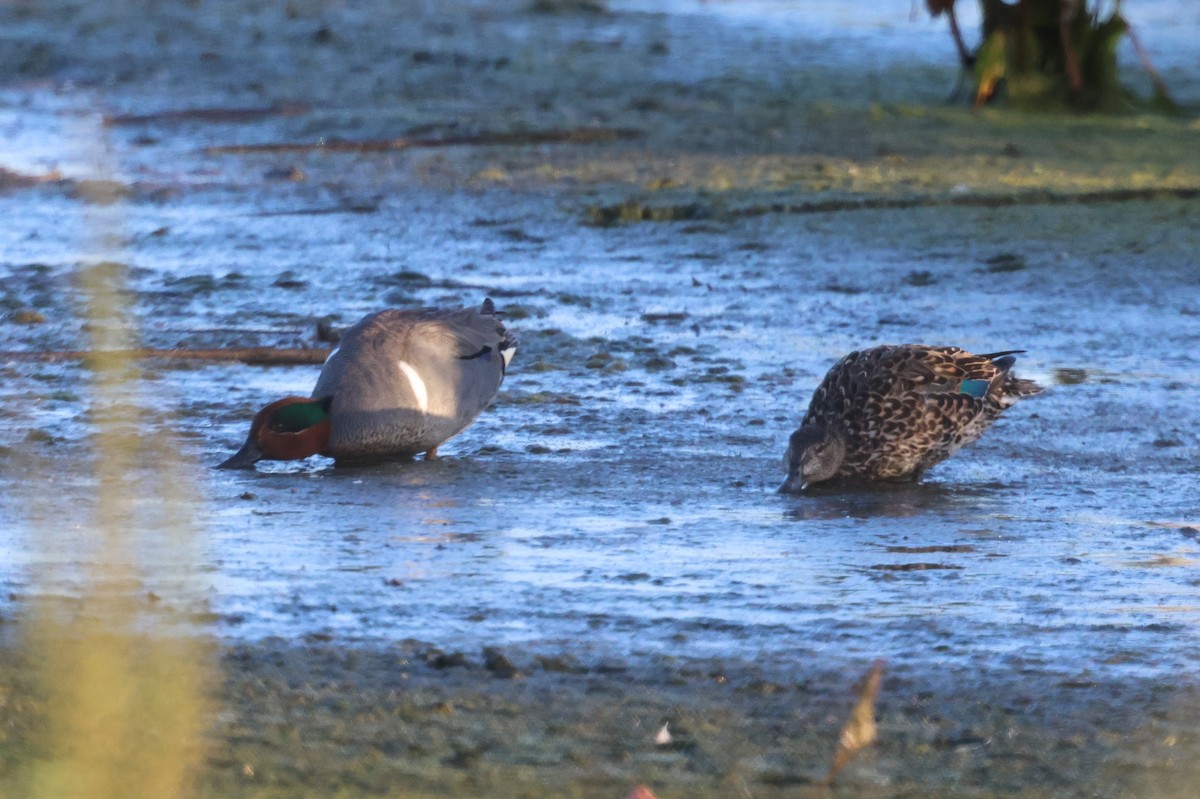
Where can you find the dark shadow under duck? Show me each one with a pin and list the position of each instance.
(889, 413)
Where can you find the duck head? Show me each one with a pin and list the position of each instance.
(288, 429)
(814, 453)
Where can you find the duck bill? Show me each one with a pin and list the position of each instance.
(794, 484)
(244, 458)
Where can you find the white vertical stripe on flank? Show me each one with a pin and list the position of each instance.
(417, 384)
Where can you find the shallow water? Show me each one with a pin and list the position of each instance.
(627, 511)
(618, 500)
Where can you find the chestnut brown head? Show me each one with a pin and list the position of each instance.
(288, 429)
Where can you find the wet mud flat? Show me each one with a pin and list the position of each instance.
(684, 245)
(319, 718)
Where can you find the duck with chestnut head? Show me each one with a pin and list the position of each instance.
(399, 383)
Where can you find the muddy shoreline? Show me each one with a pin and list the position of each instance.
(413, 720)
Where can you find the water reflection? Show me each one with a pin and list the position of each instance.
(893, 500)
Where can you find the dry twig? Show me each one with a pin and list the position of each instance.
(860, 730)
(485, 138)
(211, 114)
(254, 356)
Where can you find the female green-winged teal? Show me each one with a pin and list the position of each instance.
(398, 383)
(891, 412)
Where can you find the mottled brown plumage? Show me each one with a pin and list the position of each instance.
(891, 412)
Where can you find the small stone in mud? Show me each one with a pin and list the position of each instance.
(658, 364)
(913, 567)
(327, 333)
(39, 437)
(560, 664)
(763, 688)
(288, 280)
(398, 298)
(520, 236)
(575, 299)
(290, 173)
(27, 316)
(498, 664)
(517, 312)
(411, 278)
(670, 316)
(446, 660)
(634, 577)
(463, 758)
(1070, 377)
(246, 495)
(633, 211)
(920, 277)
(646, 103)
(842, 288)
(568, 7)
(599, 360)
(1005, 262)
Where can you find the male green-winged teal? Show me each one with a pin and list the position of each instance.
(891, 412)
(398, 383)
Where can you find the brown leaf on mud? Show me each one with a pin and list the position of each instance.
(641, 792)
(860, 729)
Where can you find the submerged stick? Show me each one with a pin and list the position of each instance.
(17, 180)
(212, 114)
(634, 211)
(555, 136)
(1160, 85)
(254, 356)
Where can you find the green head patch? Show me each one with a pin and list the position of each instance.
(298, 416)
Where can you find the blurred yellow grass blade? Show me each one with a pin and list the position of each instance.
(125, 693)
